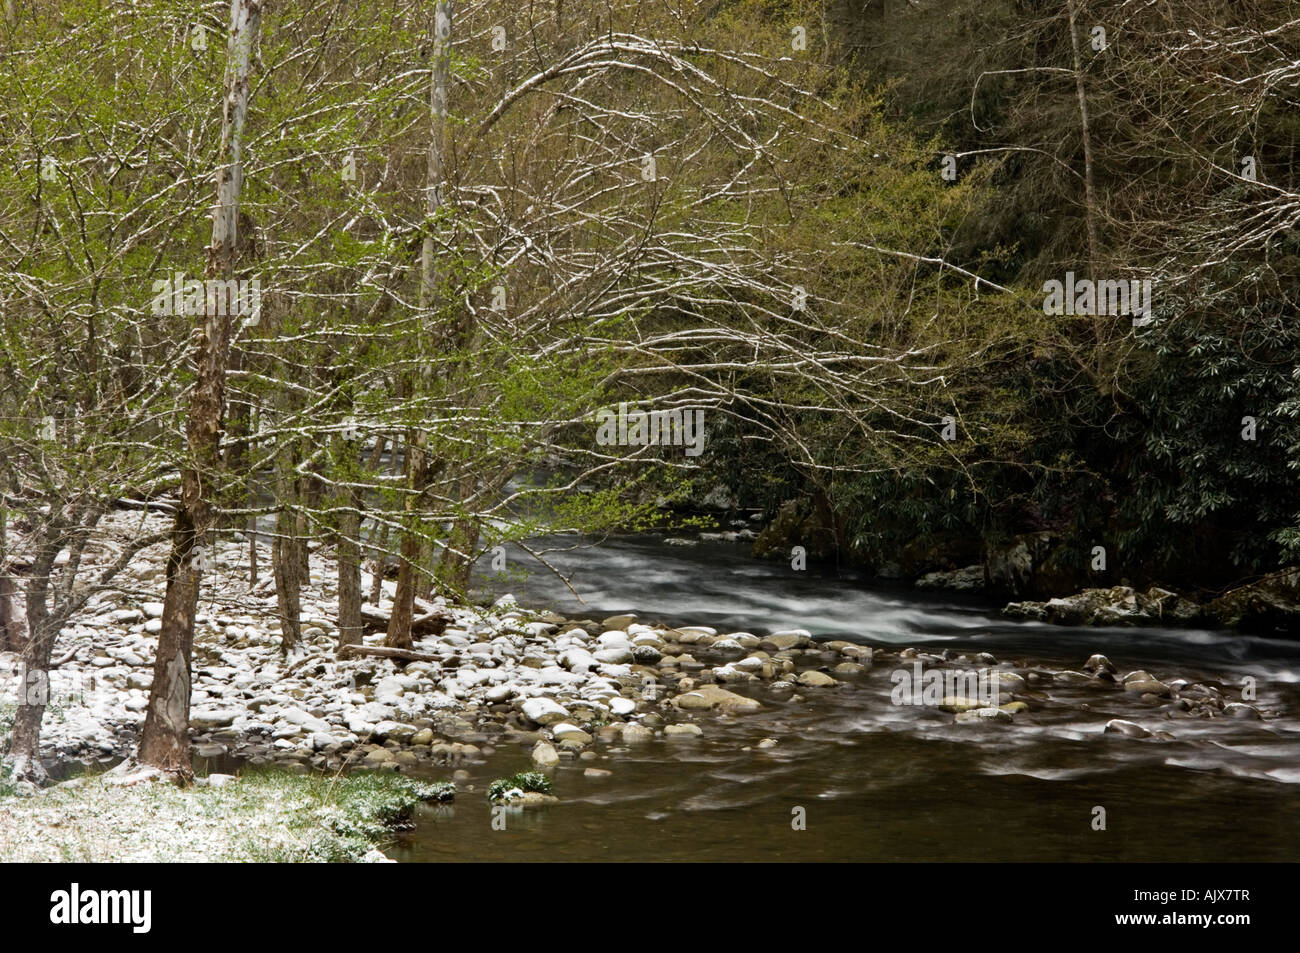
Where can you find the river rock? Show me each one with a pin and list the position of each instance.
(1271, 605)
(682, 730)
(815, 679)
(636, 734)
(646, 655)
(564, 731)
(959, 703)
(1238, 710)
(1118, 726)
(1099, 663)
(622, 706)
(545, 755)
(714, 696)
(1143, 686)
(205, 719)
(1008, 682)
(544, 711)
(786, 639)
(578, 659)
(1069, 677)
(982, 715)
(968, 579)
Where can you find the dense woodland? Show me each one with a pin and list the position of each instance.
(470, 226)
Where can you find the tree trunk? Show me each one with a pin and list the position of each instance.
(349, 562)
(308, 498)
(7, 640)
(399, 628)
(287, 567)
(252, 551)
(1089, 196)
(24, 758)
(164, 740)
(10, 638)
(399, 623)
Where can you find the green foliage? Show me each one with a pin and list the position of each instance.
(1199, 492)
(524, 781)
(349, 815)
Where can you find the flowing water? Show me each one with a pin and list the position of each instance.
(875, 781)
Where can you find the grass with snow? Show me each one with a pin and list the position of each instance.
(261, 816)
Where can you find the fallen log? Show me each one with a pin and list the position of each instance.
(374, 619)
(55, 663)
(381, 651)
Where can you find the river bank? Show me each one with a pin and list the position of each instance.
(262, 816)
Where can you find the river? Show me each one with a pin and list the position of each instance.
(854, 777)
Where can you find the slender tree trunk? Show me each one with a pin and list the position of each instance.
(164, 740)
(250, 493)
(308, 497)
(288, 580)
(399, 626)
(252, 551)
(381, 544)
(349, 560)
(9, 637)
(10, 640)
(1089, 195)
(24, 757)
(399, 623)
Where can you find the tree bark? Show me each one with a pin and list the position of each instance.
(24, 756)
(1089, 197)
(399, 628)
(287, 567)
(399, 623)
(10, 638)
(164, 740)
(349, 568)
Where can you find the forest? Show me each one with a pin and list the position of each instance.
(333, 332)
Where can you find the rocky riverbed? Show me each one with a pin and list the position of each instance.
(558, 688)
